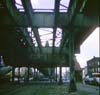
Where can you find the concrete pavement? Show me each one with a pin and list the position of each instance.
(84, 89)
(46, 89)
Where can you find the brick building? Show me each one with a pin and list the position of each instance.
(93, 66)
(78, 71)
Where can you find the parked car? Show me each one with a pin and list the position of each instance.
(44, 79)
(92, 80)
(97, 78)
(97, 81)
(89, 80)
(66, 80)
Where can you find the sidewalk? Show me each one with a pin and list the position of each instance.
(84, 89)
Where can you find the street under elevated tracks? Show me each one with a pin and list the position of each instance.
(46, 89)
(22, 42)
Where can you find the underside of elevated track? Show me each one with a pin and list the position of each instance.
(21, 41)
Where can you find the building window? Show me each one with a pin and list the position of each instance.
(93, 69)
(96, 69)
(99, 69)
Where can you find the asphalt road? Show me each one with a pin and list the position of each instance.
(46, 89)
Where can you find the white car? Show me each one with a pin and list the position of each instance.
(89, 80)
(66, 80)
(97, 80)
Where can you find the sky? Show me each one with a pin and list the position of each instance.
(89, 48)
(45, 4)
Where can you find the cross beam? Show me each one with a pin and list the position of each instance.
(41, 19)
(56, 15)
(65, 35)
(28, 9)
(74, 7)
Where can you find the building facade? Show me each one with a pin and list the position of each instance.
(84, 72)
(93, 66)
(78, 71)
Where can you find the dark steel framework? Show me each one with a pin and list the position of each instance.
(76, 24)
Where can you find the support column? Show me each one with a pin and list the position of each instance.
(56, 74)
(18, 74)
(50, 75)
(28, 74)
(13, 73)
(60, 73)
(34, 73)
(35, 76)
(72, 85)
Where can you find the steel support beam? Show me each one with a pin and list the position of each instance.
(72, 85)
(14, 13)
(56, 15)
(60, 73)
(28, 72)
(80, 20)
(13, 73)
(18, 74)
(28, 9)
(55, 77)
(28, 40)
(63, 40)
(75, 7)
(41, 19)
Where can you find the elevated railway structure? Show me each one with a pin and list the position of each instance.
(19, 27)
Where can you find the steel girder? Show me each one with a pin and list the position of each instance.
(56, 15)
(73, 17)
(75, 7)
(46, 19)
(80, 20)
(77, 17)
(28, 39)
(72, 85)
(29, 12)
(63, 40)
